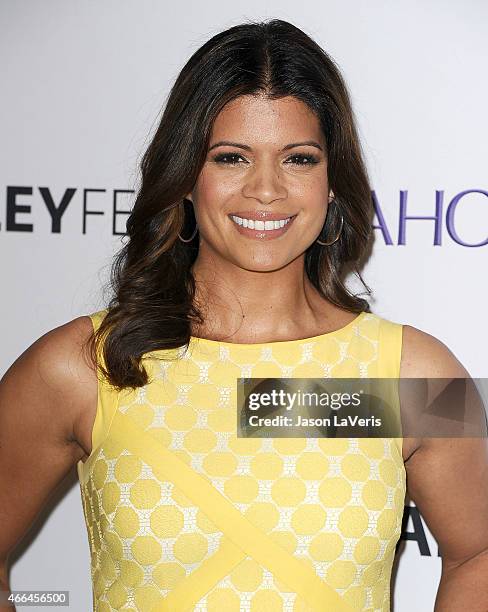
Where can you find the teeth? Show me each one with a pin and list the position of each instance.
(260, 225)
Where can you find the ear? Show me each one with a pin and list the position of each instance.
(331, 196)
(189, 196)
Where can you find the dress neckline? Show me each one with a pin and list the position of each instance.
(277, 343)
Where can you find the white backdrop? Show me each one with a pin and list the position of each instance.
(82, 86)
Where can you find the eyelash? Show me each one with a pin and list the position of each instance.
(222, 156)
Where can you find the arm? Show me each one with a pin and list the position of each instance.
(447, 478)
(4, 585)
(43, 395)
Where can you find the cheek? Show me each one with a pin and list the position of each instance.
(212, 188)
(307, 182)
(312, 194)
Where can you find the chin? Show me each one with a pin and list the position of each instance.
(264, 265)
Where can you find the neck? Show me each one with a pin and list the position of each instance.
(240, 305)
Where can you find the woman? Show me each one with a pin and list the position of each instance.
(254, 199)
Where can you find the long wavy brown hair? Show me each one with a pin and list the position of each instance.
(152, 305)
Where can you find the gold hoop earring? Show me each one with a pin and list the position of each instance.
(336, 238)
(192, 236)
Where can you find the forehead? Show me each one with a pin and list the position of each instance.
(260, 119)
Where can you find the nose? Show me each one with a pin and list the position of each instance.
(264, 183)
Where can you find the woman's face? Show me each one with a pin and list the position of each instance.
(266, 161)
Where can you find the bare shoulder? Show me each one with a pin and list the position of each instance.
(54, 379)
(454, 507)
(42, 397)
(59, 358)
(424, 355)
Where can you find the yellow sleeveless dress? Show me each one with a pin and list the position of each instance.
(183, 515)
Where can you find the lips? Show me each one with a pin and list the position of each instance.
(262, 233)
(261, 215)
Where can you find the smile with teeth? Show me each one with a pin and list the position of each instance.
(260, 225)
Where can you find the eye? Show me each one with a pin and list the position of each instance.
(303, 160)
(231, 159)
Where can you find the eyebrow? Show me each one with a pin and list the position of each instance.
(310, 143)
